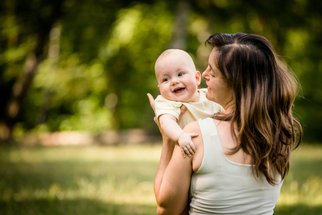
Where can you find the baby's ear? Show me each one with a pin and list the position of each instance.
(198, 77)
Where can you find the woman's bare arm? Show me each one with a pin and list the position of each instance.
(172, 180)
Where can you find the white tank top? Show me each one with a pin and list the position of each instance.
(221, 186)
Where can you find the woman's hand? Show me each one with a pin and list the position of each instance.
(151, 100)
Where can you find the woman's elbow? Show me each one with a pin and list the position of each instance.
(164, 211)
(168, 209)
(164, 206)
(161, 210)
(161, 206)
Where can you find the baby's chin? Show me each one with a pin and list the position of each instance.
(179, 97)
(175, 99)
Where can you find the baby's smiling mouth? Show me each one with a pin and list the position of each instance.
(179, 89)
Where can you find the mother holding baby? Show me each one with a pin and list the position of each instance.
(242, 153)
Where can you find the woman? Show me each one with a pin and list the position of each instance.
(242, 153)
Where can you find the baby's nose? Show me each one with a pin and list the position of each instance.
(174, 81)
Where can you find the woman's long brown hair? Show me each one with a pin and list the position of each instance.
(264, 94)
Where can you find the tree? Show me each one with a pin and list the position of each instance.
(81, 66)
(36, 29)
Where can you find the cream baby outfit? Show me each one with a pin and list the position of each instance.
(195, 110)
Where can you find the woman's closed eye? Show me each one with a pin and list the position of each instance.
(212, 72)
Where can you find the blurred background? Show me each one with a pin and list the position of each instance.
(69, 65)
(77, 72)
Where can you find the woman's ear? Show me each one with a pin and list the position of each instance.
(198, 77)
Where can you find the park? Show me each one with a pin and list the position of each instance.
(77, 134)
(118, 180)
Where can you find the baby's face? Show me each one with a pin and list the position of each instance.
(177, 80)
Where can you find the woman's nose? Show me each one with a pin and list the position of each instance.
(204, 74)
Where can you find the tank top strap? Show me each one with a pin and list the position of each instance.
(213, 154)
(208, 127)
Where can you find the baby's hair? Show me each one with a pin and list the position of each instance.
(174, 53)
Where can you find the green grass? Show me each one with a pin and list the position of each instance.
(118, 180)
(302, 189)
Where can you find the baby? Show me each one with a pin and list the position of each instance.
(178, 82)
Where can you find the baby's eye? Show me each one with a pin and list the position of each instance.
(181, 74)
(164, 80)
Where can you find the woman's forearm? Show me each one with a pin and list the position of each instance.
(172, 180)
(165, 157)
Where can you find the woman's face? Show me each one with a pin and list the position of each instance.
(218, 90)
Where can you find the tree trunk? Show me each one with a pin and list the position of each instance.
(19, 91)
(179, 39)
(23, 83)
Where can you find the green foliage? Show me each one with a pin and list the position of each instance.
(118, 180)
(129, 57)
(74, 93)
(98, 63)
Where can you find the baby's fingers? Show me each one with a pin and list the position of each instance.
(193, 147)
(188, 150)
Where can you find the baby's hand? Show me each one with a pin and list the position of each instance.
(186, 144)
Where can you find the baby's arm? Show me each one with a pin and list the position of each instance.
(171, 128)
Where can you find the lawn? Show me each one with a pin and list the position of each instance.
(118, 180)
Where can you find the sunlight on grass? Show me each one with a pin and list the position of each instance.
(114, 176)
(119, 180)
(308, 193)
(303, 185)
(83, 153)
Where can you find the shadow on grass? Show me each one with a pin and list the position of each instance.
(73, 207)
(87, 206)
(299, 209)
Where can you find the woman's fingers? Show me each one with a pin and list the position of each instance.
(151, 100)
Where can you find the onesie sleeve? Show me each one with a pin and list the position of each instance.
(164, 106)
